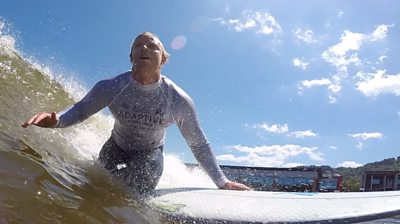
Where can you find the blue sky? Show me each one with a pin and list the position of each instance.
(276, 83)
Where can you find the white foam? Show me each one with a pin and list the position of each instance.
(88, 138)
(69, 81)
(176, 174)
(7, 42)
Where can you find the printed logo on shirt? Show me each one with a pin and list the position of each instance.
(141, 116)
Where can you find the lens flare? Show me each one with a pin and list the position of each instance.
(178, 42)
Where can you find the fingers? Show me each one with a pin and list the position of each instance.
(39, 118)
(29, 122)
(42, 119)
(241, 187)
(236, 186)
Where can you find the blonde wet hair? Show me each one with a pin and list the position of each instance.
(165, 54)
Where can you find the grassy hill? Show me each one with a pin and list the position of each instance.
(352, 176)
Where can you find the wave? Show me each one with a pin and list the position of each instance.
(51, 175)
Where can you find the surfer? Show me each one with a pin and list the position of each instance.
(143, 103)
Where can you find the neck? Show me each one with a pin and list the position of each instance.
(144, 76)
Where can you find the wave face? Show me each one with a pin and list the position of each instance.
(51, 175)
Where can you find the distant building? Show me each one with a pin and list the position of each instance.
(330, 182)
(299, 179)
(380, 181)
(275, 179)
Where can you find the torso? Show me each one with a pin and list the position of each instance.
(142, 114)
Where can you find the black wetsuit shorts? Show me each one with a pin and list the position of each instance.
(140, 169)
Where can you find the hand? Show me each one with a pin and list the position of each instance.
(230, 185)
(43, 119)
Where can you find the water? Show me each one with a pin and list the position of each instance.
(51, 175)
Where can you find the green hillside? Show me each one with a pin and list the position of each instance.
(352, 176)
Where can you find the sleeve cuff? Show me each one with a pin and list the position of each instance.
(58, 125)
(221, 182)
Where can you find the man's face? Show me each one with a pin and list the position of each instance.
(146, 51)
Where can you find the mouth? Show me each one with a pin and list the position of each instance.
(144, 58)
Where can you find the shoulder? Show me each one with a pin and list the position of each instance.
(114, 83)
(118, 79)
(176, 91)
(181, 103)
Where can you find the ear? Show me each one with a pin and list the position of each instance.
(163, 59)
(130, 58)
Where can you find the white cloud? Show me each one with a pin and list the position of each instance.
(282, 129)
(291, 165)
(306, 36)
(333, 147)
(273, 128)
(303, 134)
(374, 84)
(239, 26)
(340, 14)
(383, 57)
(380, 32)
(349, 41)
(300, 63)
(229, 157)
(349, 164)
(270, 156)
(316, 82)
(333, 87)
(367, 135)
(345, 53)
(361, 137)
(263, 23)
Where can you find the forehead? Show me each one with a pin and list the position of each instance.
(147, 38)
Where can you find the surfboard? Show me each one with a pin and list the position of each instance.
(202, 205)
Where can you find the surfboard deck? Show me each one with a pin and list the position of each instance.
(225, 206)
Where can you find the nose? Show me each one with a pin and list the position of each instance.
(144, 47)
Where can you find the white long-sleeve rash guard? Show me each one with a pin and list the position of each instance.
(142, 114)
